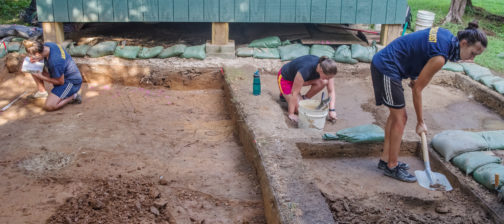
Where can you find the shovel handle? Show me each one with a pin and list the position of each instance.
(496, 181)
(425, 151)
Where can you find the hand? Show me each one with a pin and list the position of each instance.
(421, 127)
(333, 116)
(293, 118)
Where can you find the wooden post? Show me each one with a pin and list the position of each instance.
(53, 32)
(390, 32)
(220, 33)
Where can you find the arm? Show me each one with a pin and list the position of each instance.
(55, 81)
(332, 94)
(296, 90)
(433, 65)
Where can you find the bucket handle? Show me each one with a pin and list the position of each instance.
(316, 116)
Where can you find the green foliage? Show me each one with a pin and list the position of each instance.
(9, 10)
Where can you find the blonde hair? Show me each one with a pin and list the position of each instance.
(33, 47)
(328, 65)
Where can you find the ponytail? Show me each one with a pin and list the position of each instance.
(33, 47)
(328, 65)
(473, 35)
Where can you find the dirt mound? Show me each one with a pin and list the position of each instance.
(115, 201)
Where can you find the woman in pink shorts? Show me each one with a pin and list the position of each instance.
(308, 70)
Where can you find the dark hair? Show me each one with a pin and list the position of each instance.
(328, 65)
(33, 47)
(472, 34)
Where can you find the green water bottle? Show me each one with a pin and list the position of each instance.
(257, 84)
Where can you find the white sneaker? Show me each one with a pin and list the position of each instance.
(39, 95)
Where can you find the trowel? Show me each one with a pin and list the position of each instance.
(428, 179)
(324, 103)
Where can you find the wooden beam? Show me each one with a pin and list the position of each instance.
(220, 33)
(53, 32)
(389, 32)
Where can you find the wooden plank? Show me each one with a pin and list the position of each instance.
(379, 12)
(272, 11)
(60, 8)
(106, 12)
(288, 11)
(257, 10)
(45, 11)
(196, 12)
(135, 12)
(227, 9)
(401, 7)
(242, 10)
(318, 11)
(53, 32)
(333, 11)
(166, 10)
(364, 11)
(75, 11)
(151, 13)
(220, 33)
(303, 10)
(389, 32)
(180, 10)
(391, 11)
(348, 11)
(211, 11)
(120, 11)
(91, 11)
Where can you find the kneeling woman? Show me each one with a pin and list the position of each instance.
(308, 70)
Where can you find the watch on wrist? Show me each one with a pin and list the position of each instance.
(332, 110)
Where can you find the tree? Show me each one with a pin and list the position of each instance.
(457, 9)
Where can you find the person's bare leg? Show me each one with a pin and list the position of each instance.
(386, 143)
(398, 122)
(53, 102)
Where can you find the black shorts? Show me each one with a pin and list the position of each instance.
(388, 92)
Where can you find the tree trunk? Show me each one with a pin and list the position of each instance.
(457, 9)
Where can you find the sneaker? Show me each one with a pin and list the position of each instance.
(282, 98)
(39, 95)
(77, 99)
(399, 174)
(382, 165)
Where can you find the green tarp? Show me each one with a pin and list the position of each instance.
(128, 52)
(102, 49)
(245, 52)
(485, 175)
(322, 50)
(13, 46)
(267, 42)
(266, 53)
(451, 143)
(363, 54)
(454, 67)
(470, 161)
(78, 51)
(499, 86)
(173, 51)
(150, 52)
(197, 52)
(293, 51)
(358, 134)
(344, 55)
(475, 71)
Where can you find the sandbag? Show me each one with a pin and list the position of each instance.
(322, 50)
(128, 52)
(475, 71)
(173, 51)
(470, 161)
(361, 134)
(266, 53)
(13, 46)
(267, 42)
(501, 55)
(363, 54)
(17, 39)
(494, 139)
(150, 52)
(3, 50)
(344, 55)
(65, 44)
(499, 86)
(488, 80)
(102, 49)
(197, 52)
(22, 50)
(245, 52)
(286, 42)
(485, 175)
(451, 143)
(454, 67)
(293, 51)
(78, 51)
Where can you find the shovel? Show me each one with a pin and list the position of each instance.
(428, 179)
(323, 103)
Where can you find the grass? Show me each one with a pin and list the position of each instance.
(494, 29)
(9, 11)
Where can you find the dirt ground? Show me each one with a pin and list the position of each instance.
(127, 154)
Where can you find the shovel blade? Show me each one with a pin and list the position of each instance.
(439, 181)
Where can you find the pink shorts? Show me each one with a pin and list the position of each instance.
(285, 86)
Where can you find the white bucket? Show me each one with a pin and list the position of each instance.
(309, 117)
(424, 20)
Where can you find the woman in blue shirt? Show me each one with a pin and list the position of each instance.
(417, 56)
(62, 73)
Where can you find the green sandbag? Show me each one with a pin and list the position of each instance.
(454, 67)
(362, 134)
(65, 44)
(128, 52)
(486, 175)
(322, 50)
(22, 50)
(78, 51)
(151, 52)
(293, 51)
(266, 53)
(488, 80)
(267, 42)
(102, 49)
(245, 52)
(13, 46)
(501, 55)
(344, 55)
(17, 39)
(451, 143)
(475, 71)
(494, 139)
(470, 161)
(286, 42)
(3, 51)
(363, 54)
(499, 86)
(173, 51)
(197, 52)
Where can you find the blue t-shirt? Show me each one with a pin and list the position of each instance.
(306, 65)
(61, 63)
(406, 56)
